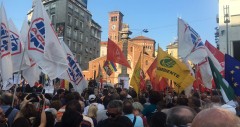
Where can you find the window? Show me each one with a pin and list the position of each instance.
(76, 9)
(53, 18)
(53, 5)
(114, 18)
(81, 25)
(69, 19)
(80, 46)
(76, 22)
(131, 49)
(86, 39)
(146, 62)
(70, 6)
(81, 36)
(75, 46)
(75, 34)
(47, 8)
(69, 31)
(79, 59)
(68, 42)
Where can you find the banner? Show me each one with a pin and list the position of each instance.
(171, 68)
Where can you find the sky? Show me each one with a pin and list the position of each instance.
(158, 16)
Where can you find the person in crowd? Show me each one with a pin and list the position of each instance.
(28, 113)
(158, 120)
(3, 119)
(6, 103)
(87, 121)
(128, 111)
(72, 116)
(101, 115)
(137, 111)
(115, 118)
(216, 117)
(92, 113)
(92, 100)
(65, 100)
(180, 116)
(154, 98)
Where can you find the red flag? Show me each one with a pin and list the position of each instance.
(115, 54)
(218, 55)
(158, 84)
(142, 81)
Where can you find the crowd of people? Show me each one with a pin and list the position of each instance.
(116, 107)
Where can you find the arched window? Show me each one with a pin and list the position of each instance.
(146, 62)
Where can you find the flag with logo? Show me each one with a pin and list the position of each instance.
(115, 54)
(232, 73)
(109, 67)
(20, 59)
(74, 72)
(5, 58)
(171, 68)
(32, 73)
(137, 76)
(190, 45)
(226, 90)
(43, 45)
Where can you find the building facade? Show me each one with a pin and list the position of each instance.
(74, 23)
(137, 46)
(172, 49)
(228, 31)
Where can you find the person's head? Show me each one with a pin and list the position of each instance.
(92, 98)
(114, 108)
(161, 105)
(21, 122)
(127, 107)
(29, 111)
(137, 108)
(74, 105)
(82, 106)
(92, 111)
(180, 116)
(71, 118)
(155, 97)
(77, 96)
(106, 100)
(120, 121)
(215, 117)
(115, 96)
(50, 119)
(158, 120)
(105, 92)
(182, 101)
(56, 104)
(6, 98)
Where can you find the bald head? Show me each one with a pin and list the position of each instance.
(215, 117)
(180, 115)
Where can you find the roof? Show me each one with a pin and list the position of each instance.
(103, 42)
(141, 38)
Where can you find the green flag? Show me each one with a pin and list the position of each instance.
(222, 84)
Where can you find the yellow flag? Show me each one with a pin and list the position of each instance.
(135, 80)
(171, 68)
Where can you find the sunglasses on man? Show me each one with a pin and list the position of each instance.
(111, 114)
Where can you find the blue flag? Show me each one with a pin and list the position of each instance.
(232, 73)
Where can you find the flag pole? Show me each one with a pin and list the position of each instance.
(15, 89)
(196, 76)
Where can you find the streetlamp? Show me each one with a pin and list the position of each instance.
(226, 20)
(124, 76)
